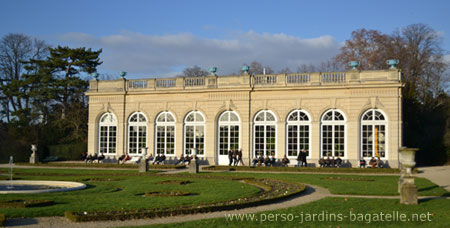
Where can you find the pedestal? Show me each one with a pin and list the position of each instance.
(33, 158)
(408, 191)
(193, 167)
(143, 166)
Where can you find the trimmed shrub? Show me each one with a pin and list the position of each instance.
(2, 219)
(68, 151)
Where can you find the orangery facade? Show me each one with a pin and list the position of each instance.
(351, 115)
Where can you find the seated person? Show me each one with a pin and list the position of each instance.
(327, 162)
(260, 160)
(332, 162)
(362, 163)
(124, 158)
(88, 158)
(83, 156)
(187, 159)
(101, 158)
(372, 162)
(267, 161)
(379, 163)
(162, 158)
(321, 162)
(272, 160)
(285, 161)
(181, 160)
(157, 158)
(338, 162)
(255, 161)
(150, 158)
(92, 158)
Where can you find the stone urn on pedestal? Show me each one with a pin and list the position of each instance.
(406, 185)
(193, 167)
(34, 158)
(143, 164)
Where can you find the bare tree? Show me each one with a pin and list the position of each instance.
(285, 70)
(194, 71)
(15, 51)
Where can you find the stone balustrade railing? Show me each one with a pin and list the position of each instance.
(248, 81)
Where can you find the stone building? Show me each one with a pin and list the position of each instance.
(349, 114)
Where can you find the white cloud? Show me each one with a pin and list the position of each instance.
(158, 55)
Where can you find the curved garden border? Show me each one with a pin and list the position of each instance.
(273, 191)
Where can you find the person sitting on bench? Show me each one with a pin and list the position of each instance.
(338, 162)
(158, 156)
(379, 163)
(321, 162)
(181, 160)
(187, 159)
(362, 163)
(267, 161)
(327, 162)
(332, 162)
(124, 158)
(255, 161)
(101, 158)
(285, 161)
(161, 160)
(260, 160)
(272, 160)
(372, 162)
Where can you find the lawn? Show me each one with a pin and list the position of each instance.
(117, 190)
(338, 212)
(348, 184)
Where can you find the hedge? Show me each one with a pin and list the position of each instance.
(303, 169)
(2, 219)
(68, 151)
(274, 191)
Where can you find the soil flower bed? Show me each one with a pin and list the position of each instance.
(169, 193)
(273, 190)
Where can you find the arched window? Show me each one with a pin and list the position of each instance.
(298, 132)
(373, 134)
(165, 134)
(137, 133)
(333, 133)
(107, 134)
(194, 132)
(229, 125)
(265, 132)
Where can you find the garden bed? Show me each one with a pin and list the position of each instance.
(302, 169)
(2, 219)
(273, 191)
(100, 165)
(25, 203)
(176, 182)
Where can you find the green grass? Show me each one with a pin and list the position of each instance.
(100, 165)
(303, 169)
(349, 184)
(119, 189)
(437, 210)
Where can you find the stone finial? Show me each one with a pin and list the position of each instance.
(122, 74)
(213, 70)
(245, 69)
(392, 63)
(353, 64)
(95, 75)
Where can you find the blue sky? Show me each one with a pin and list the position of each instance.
(160, 38)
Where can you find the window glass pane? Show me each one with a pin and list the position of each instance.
(190, 118)
(293, 116)
(199, 117)
(233, 117)
(189, 139)
(260, 117)
(199, 139)
(224, 117)
(270, 117)
(170, 118)
(303, 117)
(328, 116)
